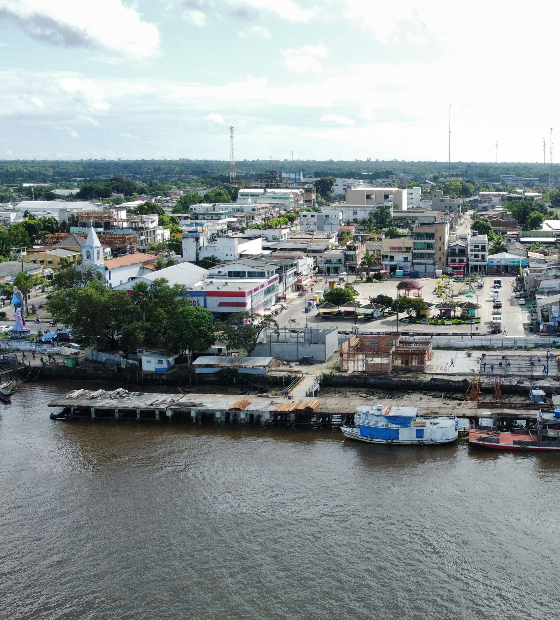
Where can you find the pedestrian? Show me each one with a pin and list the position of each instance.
(451, 361)
(492, 367)
(484, 365)
(42, 360)
(33, 354)
(24, 356)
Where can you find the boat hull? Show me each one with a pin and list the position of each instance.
(505, 441)
(351, 433)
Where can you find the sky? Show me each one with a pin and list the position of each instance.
(322, 79)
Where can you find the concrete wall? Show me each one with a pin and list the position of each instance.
(292, 346)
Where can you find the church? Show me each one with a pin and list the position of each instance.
(114, 271)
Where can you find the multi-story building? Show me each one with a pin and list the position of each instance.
(378, 196)
(311, 220)
(397, 254)
(429, 247)
(444, 203)
(197, 245)
(331, 262)
(457, 256)
(413, 197)
(353, 254)
(478, 254)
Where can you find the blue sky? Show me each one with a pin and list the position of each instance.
(340, 79)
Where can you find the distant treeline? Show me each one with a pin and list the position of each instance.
(143, 171)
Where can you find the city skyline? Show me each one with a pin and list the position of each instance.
(340, 79)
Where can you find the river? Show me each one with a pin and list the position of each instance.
(108, 521)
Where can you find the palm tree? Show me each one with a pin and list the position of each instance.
(498, 246)
(368, 261)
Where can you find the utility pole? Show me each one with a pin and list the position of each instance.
(544, 153)
(232, 171)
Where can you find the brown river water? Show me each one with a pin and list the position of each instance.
(125, 521)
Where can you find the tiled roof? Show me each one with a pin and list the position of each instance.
(129, 259)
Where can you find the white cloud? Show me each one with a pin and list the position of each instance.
(286, 9)
(198, 18)
(88, 119)
(305, 59)
(215, 118)
(85, 91)
(38, 102)
(261, 32)
(336, 119)
(103, 24)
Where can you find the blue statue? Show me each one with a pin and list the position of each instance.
(17, 301)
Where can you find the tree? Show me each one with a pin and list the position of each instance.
(534, 247)
(498, 246)
(186, 201)
(324, 187)
(534, 220)
(217, 194)
(339, 296)
(382, 300)
(482, 226)
(382, 217)
(190, 329)
(368, 262)
(392, 232)
(243, 329)
(457, 188)
(70, 275)
(208, 262)
(148, 208)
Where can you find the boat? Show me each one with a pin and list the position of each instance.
(6, 391)
(400, 425)
(544, 438)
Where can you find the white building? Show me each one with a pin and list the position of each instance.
(311, 220)
(270, 234)
(350, 212)
(185, 274)
(196, 246)
(53, 208)
(341, 185)
(413, 197)
(397, 253)
(478, 254)
(378, 196)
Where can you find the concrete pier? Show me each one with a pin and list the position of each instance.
(262, 410)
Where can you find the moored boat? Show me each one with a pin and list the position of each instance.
(6, 391)
(544, 438)
(400, 425)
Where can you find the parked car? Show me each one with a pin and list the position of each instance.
(4, 329)
(522, 302)
(497, 303)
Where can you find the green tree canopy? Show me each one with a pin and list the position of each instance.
(208, 262)
(186, 201)
(191, 328)
(382, 217)
(218, 194)
(339, 296)
(382, 300)
(498, 246)
(242, 330)
(534, 220)
(324, 187)
(482, 226)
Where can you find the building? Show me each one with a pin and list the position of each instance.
(397, 254)
(353, 254)
(378, 196)
(197, 245)
(429, 247)
(270, 234)
(51, 257)
(291, 345)
(478, 254)
(227, 296)
(114, 271)
(53, 208)
(185, 274)
(341, 185)
(329, 221)
(446, 204)
(457, 256)
(414, 197)
(157, 362)
(331, 262)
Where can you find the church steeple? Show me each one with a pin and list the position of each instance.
(92, 250)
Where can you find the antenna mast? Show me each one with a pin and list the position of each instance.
(496, 151)
(232, 171)
(550, 176)
(449, 155)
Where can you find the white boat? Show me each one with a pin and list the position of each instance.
(400, 425)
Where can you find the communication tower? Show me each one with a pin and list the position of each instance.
(232, 171)
(550, 176)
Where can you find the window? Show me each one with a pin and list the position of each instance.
(49, 261)
(88, 255)
(391, 258)
(160, 362)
